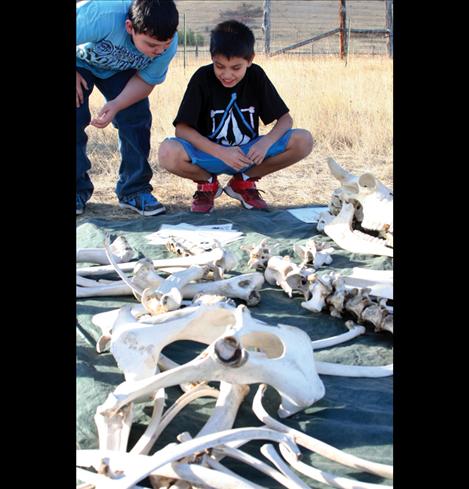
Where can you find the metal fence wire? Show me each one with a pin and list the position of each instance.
(291, 22)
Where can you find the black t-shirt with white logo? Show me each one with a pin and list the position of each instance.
(230, 116)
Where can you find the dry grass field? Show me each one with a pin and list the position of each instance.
(347, 108)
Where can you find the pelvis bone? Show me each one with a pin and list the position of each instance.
(242, 350)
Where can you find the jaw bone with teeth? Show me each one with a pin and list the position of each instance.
(360, 201)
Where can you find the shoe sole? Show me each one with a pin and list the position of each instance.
(231, 193)
(160, 210)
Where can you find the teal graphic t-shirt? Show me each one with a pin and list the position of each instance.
(104, 47)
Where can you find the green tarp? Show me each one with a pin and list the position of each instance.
(355, 415)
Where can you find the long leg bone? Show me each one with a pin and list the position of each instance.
(316, 445)
(114, 430)
(245, 287)
(218, 256)
(227, 406)
(120, 249)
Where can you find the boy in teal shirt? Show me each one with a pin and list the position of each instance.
(124, 47)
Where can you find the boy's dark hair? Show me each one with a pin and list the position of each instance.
(156, 18)
(232, 38)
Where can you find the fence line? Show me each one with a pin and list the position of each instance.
(280, 24)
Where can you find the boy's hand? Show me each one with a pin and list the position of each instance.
(81, 83)
(258, 150)
(105, 115)
(233, 156)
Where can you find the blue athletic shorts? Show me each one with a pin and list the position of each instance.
(216, 166)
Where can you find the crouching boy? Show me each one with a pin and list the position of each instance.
(217, 125)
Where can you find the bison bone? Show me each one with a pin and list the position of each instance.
(116, 289)
(375, 314)
(196, 475)
(315, 445)
(379, 281)
(220, 257)
(223, 416)
(284, 359)
(375, 199)
(320, 288)
(283, 272)
(336, 300)
(245, 287)
(184, 247)
(357, 301)
(137, 344)
(168, 295)
(339, 228)
(259, 254)
(313, 253)
(143, 465)
(269, 452)
(327, 477)
(114, 430)
(158, 423)
(120, 248)
(248, 459)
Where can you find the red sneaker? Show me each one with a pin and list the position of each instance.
(246, 192)
(204, 196)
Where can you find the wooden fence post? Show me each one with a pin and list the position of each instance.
(389, 27)
(342, 27)
(266, 27)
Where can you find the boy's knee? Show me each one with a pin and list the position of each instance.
(303, 141)
(169, 153)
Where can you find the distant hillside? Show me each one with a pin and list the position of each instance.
(292, 21)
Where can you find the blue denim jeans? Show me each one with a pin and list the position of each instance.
(133, 125)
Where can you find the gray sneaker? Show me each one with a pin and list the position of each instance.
(144, 203)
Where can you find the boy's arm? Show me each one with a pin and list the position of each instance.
(135, 90)
(231, 155)
(258, 150)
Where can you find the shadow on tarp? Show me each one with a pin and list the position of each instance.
(355, 414)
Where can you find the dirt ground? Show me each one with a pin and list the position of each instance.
(306, 183)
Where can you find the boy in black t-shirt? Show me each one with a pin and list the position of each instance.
(217, 125)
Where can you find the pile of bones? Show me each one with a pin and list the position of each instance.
(187, 298)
